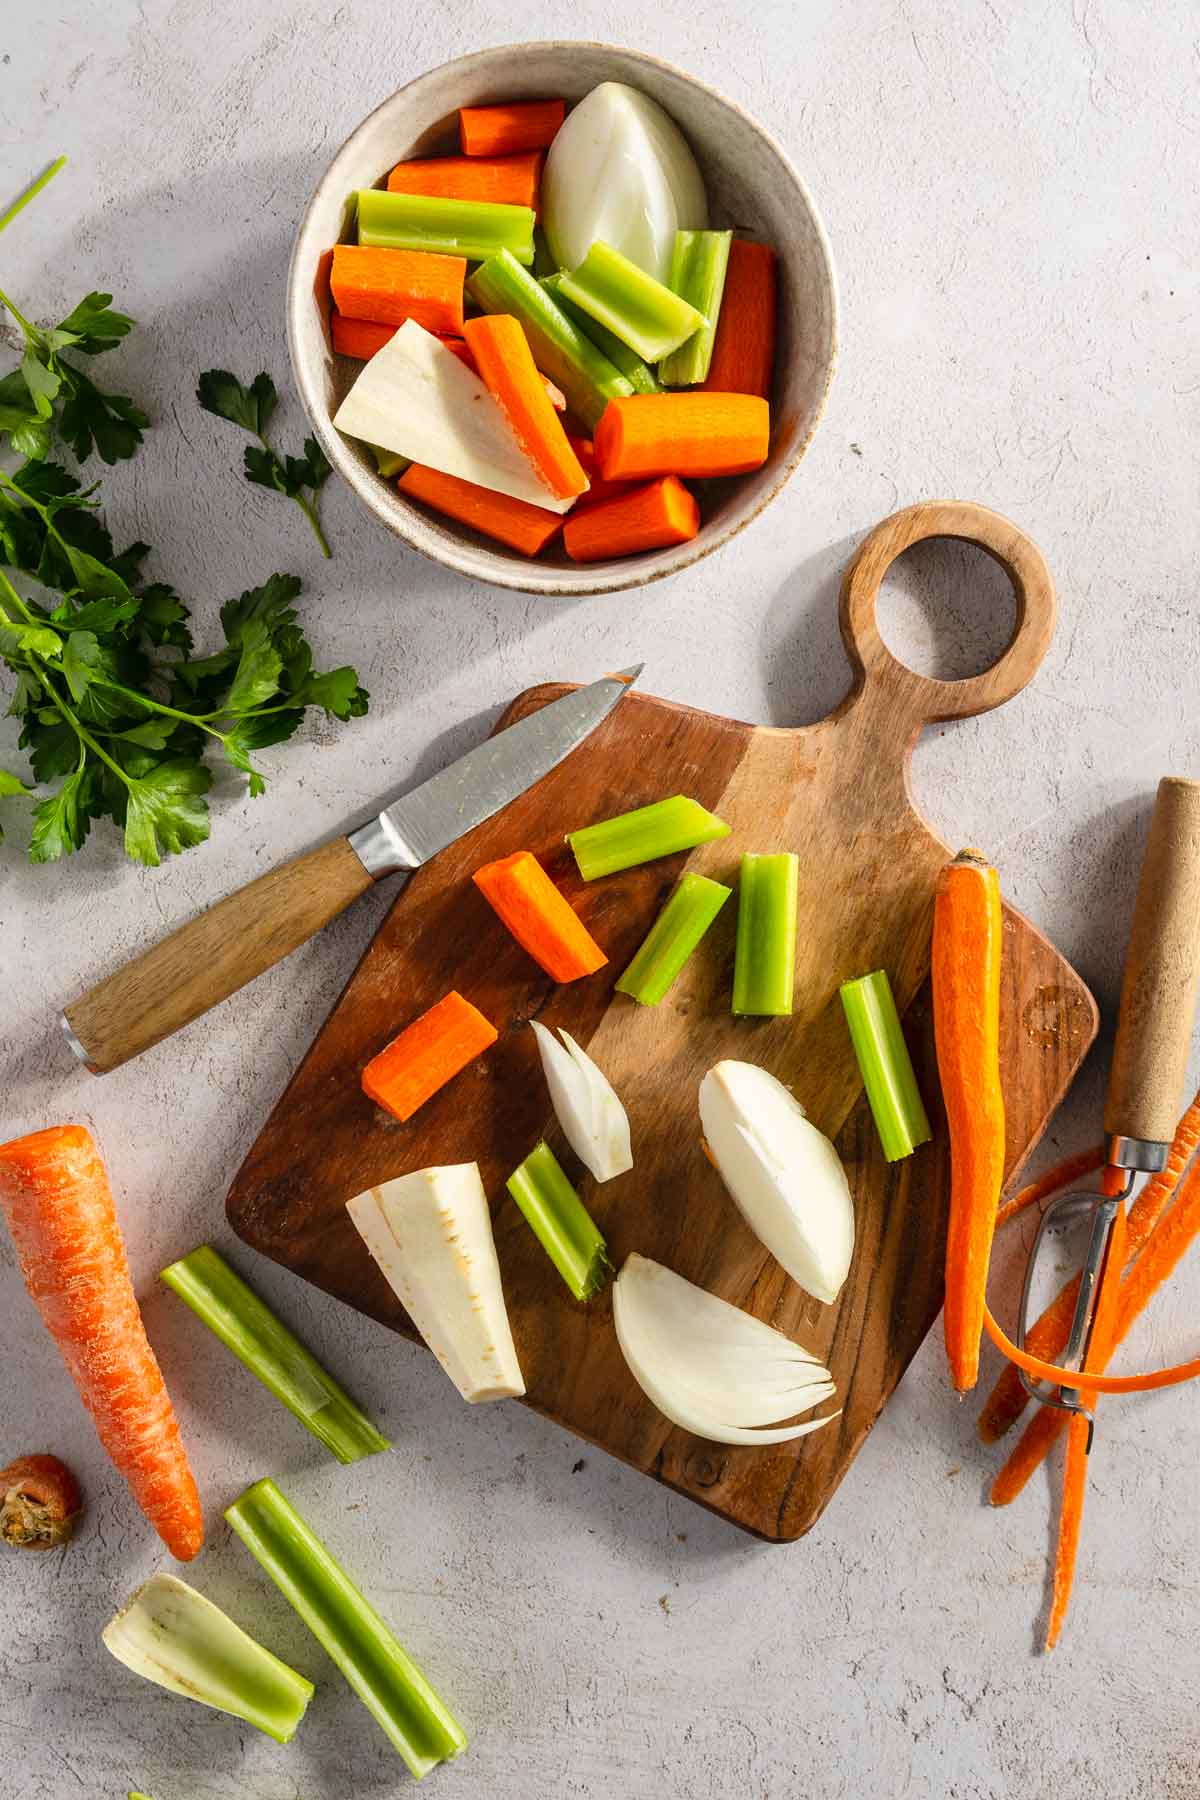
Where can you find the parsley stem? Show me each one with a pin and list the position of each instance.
(18, 315)
(31, 193)
(80, 730)
(160, 706)
(310, 513)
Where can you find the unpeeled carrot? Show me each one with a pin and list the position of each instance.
(500, 180)
(646, 518)
(359, 338)
(542, 921)
(40, 1503)
(390, 286)
(55, 1195)
(508, 130)
(426, 1055)
(692, 434)
(965, 968)
(743, 358)
(517, 523)
(505, 362)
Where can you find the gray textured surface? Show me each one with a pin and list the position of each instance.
(1010, 193)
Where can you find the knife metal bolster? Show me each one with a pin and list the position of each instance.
(382, 848)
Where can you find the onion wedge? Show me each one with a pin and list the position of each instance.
(784, 1176)
(431, 1235)
(585, 1104)
(709, 1367)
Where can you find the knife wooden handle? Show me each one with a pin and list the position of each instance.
(1162, 966)
(213, 955)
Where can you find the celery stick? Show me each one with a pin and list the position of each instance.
(628, 361)
(885, 1064)
(173, 1636)
(639, 310)
(764, 965)
(560, 1222)
(473, 228)
(386, 1680)
(263, 1343)
(671, 939)
(643, 835)
(698, 264)
(543, 262)
(561, 351)
(387, 461)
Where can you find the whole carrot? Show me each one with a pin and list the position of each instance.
(966, 1022)
(55, 1195)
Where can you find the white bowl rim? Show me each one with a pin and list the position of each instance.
(404, 521)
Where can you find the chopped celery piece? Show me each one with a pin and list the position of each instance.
(628, 361)
(475, 229)
(560, 350)
(173, 1636)
(764, 965)
(560, 1222)
(386, 1680)
(388, 462)
(885, 1064)
(543, 262)
(671, 939)
(644, 835)
(698, 265)
(639, 310)
(263, 1343)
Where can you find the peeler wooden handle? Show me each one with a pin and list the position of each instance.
(1158, 992)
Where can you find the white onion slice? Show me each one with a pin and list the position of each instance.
(585, 1104)
(620, 170)
(709, 1367)
(784, 1175)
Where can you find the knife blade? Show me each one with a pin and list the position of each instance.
(219, 951)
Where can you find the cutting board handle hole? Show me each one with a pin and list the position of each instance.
(985, 596)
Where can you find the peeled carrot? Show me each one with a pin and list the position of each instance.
(390, 286)
(646, 518)
(55, 1195)
(966, 1025)
(689, 434)
(743, 358)
(40, 1503)
(505, 361)
(506, 130)
(500, 180)
(426, 1055)
(1047, 1337)
(598, 488)
(517, 523)
(542, 921)
(359, 338)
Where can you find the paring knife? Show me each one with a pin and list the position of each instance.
(222, 949)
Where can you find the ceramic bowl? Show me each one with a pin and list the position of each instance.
(751, 186)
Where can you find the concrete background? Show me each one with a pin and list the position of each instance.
(1010, 193)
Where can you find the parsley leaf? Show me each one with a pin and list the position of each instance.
(92, 327)
(298, 477)
(250, 407)
(166, 811)
(61, 823)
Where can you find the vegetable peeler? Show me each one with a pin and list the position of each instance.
(1149, 1062)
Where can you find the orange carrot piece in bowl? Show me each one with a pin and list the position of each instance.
(505, 361)
(506, 130)
(691, 434)
(598, 488)
(517, 523)
(390, 286)
(500, 180)
(359, 338)
(426, 1055)
(543, 922)
(743, 358)
(645, 518)
(55, 1195)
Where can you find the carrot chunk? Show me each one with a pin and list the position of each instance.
(598, 488)
(359, 338)
(426, 1055)
(506, 130)
(513, 522)
(55, 1195)
(390, 286)
(500, 180)
(743, 358)
(645, 518)
(542, 921)
(691, 434)
(505, 361)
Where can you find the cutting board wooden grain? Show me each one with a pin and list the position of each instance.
(838, 794)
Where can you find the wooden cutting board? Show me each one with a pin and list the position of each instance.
(838, 794)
